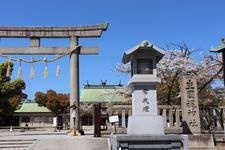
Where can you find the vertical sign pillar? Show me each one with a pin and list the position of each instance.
(189, 103)
(74, 83)
(97, 120)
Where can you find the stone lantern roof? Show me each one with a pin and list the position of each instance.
(220, 48)
(145, 45)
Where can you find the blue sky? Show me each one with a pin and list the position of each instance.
(198, 23)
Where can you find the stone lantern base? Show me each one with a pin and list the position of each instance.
(145, 125)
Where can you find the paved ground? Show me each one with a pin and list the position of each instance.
(49, 140)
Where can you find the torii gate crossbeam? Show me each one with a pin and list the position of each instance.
(73, 33)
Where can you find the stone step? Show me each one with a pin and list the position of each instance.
(18, 140)
(17, 144)
(203, 149)
(138, 142)
(72, 143)
(13, 146)
(151, 146)
(201, 141)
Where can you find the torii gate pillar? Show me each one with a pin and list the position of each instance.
(74, 84)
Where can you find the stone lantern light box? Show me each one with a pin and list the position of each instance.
(144, 58)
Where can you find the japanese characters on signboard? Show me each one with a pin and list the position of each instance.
(190, 103)
(189, 99)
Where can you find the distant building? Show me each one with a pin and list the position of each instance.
(113, 102)
(34, 115)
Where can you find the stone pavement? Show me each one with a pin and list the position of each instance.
(50, 140)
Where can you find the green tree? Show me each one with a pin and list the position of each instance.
(10, 91)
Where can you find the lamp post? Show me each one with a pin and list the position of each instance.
(218, 49)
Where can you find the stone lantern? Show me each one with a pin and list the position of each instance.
(144, 58)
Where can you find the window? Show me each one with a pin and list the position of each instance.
(37, 119)
(86, 120)
(120, 120)
(145, 66)
(48, 119)
(126, 120)
(25, 119)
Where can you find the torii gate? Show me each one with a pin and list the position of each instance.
(73, 33)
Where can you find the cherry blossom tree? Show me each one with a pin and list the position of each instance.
(208, 72)
(176, 63)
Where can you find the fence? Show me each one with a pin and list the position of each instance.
(211, 118)
(171, 115)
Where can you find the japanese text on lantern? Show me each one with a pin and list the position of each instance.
(145, 101)
(190, 103)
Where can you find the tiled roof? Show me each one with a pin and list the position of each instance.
(108, 93)
(32, 107)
